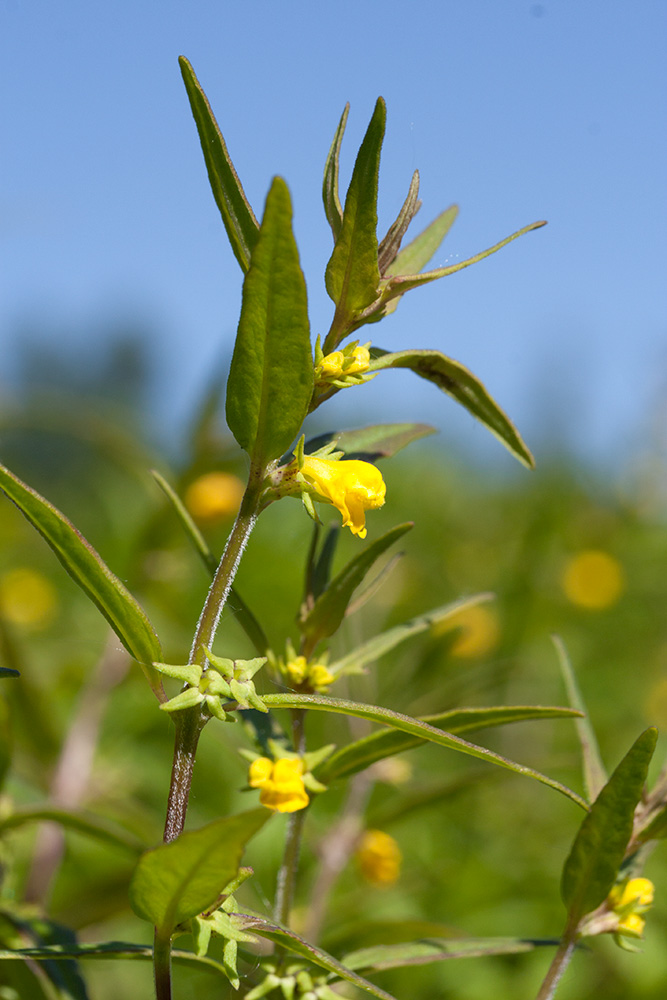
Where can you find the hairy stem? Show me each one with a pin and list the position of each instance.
(560, 962)
(189, 724)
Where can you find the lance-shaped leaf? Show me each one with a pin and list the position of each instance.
(330, 196)
(418, 253)
(399, 284)
(389, 246)
(329, 609)
(90, 572)
(76, 819)
(380, 644)
(174, 882)
(371, 443)
(237, 215)
(459, 383)
(398, 956)
(292, 942)
(271, 375)
(106, 951)
(595, 774)
(352, 274)
(362, 753)
(414, 727)
(600, 845)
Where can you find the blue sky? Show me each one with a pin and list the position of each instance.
(517, 111)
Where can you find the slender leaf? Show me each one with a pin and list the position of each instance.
(418, 253)
(396, 720)
(329, 609)
(110, 950)
(600, 845)
(595, 773)
(175, 882)
(371, 443)
(78, 820)
(87, 569)
(330, 196)
(271, 376)
(9, 672)
(288, 939)
(237, 215)
(459, 383)
(362, 753)
(398, 956)
(352, 274)
(390, 245)
(64, 978)
(376, 647)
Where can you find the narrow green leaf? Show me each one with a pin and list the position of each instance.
(237, 215)
(271, 375)
(177, 881)
(418, 253)
(110, 950)
(330, 196)
(288, 939)
(376, 647)
(64, 979)
(352, 274)
(399, 284)
(600, 845)
(391, 243)
(9, 672)
(376, 746)
(87, 569)
(371, 443)
(398, 956)
(329, 609)
(595, 773)
(78, 820)
(459, 383)
(404, 723)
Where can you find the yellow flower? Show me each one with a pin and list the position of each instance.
(359, 361)
(299, 672)
(480, 631)
(632, 925)
(336, 366)
(280, 783)
(214, 496)
(27, 598)
(638, 891)
(593, 579)
(379, 858)
(319, 677)
(353, 487)
(331, 366)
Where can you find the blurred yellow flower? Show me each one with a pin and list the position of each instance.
(379, 858)
(480, 631)
(593, 579)
(27, 598)
(280, 783)
(214, 496)
(633, 925)
(639, 891)
(353, 487)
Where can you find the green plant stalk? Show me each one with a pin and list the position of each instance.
(559, 964)
(162, 966)
(289, 868)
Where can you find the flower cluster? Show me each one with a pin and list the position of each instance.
(343, 368)
(230, 682)
(628, 901)
(305, 676)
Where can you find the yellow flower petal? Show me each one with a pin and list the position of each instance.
(280, 783)
(353, 487)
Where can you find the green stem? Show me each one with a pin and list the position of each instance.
(560, 962)
(289, 868)
(189, 724)
(162, 966)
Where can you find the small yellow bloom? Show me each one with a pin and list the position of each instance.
(633, 925)
(353, 487)
(27, 598)
(638, 891)
(214, 496)
(280, 783)
(319, 677)
(331, 366)
(480, 631)
(593, 579)
(379, 858)
(359, 361)
(339, 364)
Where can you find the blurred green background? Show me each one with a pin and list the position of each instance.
(565, 550)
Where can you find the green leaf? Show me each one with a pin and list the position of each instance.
(459, 383)
(406, 724)
(110, 950)
(174, 882)
(398, 956)
(595, 773)
(288, 939)
(237, 215)
(9, 672)
(87, 569)
(380, 644)
(330, 197)
(399, 284)
(271, 375)
(390, 245)
(371, 443)
(418, 253)
(352, 274)
(362, 753)
(600, 845)
(64, 978)
(78, 820)
(329, 609)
